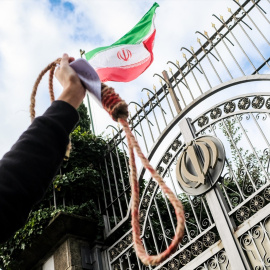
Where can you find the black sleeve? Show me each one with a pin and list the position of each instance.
(29, 167)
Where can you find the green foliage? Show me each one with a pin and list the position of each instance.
(77, 184)
(84, 122)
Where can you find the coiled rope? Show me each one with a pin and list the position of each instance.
(118, 110)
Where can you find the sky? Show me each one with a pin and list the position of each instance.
(33, 33)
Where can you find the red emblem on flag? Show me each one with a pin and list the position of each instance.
(124, 54)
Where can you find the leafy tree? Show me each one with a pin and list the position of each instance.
(77, 188)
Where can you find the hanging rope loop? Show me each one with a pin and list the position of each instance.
(118, 109)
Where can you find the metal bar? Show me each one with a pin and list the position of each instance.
(152, 109)
(105, 199)
(172, 93)
(237, 42)
(230, 170)
(141, 128)
(260, 10)
(220, 58)
(110, 190)
(250, 144)
(125, 156)
(161, 223)
(189, 67)
(153, 234)
(258, 126)
(221, 38)
(199, 41)
(178, 88)
(148, 122)
(121, 173)
(158, 102)
(163, 88)
(218, 208)
(239, 154)
(198, 62)
(184, 77)
(116, 185)
(250, 40)
(258, 29)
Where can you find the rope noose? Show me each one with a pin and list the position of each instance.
(118, 110)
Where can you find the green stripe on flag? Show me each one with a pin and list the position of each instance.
(134, 36)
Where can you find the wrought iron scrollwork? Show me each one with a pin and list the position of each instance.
(267, 104)
(142, 215)
(203, 120)
(242, 214)
(256, 203)
(185, 257)
(145, 200)
(160, 170)
(209, 239)
(166, 158)
(151, 186)
(229, 107)
(243, 103)
(215, 113)
(173, 264)
(257, 102)
(197, 248)
(266, 194)
(176, 144)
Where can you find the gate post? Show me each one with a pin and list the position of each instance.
(171, 91)
(219, 210)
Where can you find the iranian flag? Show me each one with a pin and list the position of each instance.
(128, 57)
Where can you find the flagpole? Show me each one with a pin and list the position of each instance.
(88, 102)
(90, 113)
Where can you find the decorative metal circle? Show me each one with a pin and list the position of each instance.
(151, 186)
(142, 215)
(167, 157)
(267, 104)
(215, 113)
(113, 253)
(129, 239)
(257, 102)
(116, 267)
(243, 103)
(164, 268)
(173, 264)
(229, 107)
(203, 120)
(209, 239)
(222, 257)
(159, 170)
(266, 194)
(121, 245)
(176, 144)
(242, 214)
(197, 248)
(185, 257)
(145, 201)
(193, 173)
(256, 203)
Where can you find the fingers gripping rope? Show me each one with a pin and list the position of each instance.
(117, 108)
(51, 68)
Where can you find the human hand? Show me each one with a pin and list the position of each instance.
(73, 90)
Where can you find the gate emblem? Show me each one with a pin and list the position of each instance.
(200, 164)
(124, 54)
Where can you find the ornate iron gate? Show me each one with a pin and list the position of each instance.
(228, 225)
